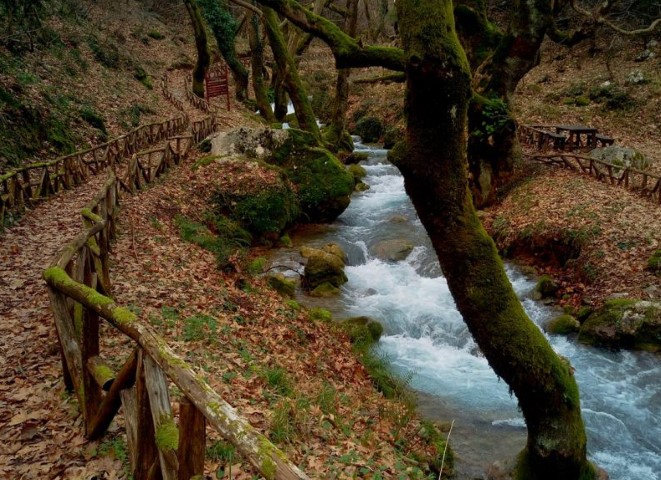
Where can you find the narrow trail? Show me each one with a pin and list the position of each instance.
(40, 429)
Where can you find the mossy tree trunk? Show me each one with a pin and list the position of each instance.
(338, 125)
(493, 148)
(434, 169)
(257, 63)
(289, 73)
(201, 45)
(224, 27)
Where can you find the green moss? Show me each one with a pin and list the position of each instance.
(204, 161)
(369, 129)
(563, 325)
(92, 117)
(257, 265)
(357, 171)
(321, 314)
(103, 371)
(58, 278)
(363, 331)
(546, 286)
(155, 34)
(268, 468)
(285, 241)
(167, 434)
(282, 285)
(124, 316)
(654, 263)
(324, 290)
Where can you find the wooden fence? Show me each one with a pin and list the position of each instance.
(643, 183)
(31, 183)
(79, 286)
(197, 102)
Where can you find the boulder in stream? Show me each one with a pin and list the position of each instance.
(325, 269)
(393, 250)
(624, 323)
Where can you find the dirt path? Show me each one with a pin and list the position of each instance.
(40, 436)
(40, 429)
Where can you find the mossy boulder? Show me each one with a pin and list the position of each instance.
(361, 187)
(369, 129)
(355, 157)
(545, 287)
(398, 153)
(563, 325)
(622, 156)
(624, 323)
(322, 183)
(321, 268)
(654, 263)
(393, 250)
(325, 290)
(258, 196)
(337, 143)
(391, 136)
(362, 330)
(357, 171)
(281, 284)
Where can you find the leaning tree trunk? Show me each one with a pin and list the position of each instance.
(257, 63)
(291, 80)
(201, 42)
(434, 169)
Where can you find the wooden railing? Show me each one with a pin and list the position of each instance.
(26, 185)
(643, 183)
(197, 102)
(79, 286)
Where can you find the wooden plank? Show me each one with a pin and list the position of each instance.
(146, 451)
(129, 401)
(167, 433)
(192, 440)
(112, 400)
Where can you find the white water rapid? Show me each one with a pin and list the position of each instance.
(425, 339)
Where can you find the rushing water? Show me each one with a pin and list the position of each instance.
(425, 339)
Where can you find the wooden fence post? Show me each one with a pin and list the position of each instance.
(192, 440)
(166, 431)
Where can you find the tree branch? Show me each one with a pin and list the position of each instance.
(247, 5)
(599, 18)
(347, 52)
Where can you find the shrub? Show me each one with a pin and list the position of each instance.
(92, 117)
(369, 129)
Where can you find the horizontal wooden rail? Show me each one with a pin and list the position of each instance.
(263, 455)
(643, 183)
(79, 288)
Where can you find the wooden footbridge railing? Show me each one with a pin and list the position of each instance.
(79, 287)
(643, 183)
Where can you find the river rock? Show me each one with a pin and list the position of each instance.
(562, 325)
(622, 156)
(283, 285)
(323, 267)
(363, 330)
(624, 323)
(393, 250)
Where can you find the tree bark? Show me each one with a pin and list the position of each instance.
(257, 63)
(338, 125)
(347, 51)
(289, 72)
(434, 169)
(201, 42)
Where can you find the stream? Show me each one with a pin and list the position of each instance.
(426, 341)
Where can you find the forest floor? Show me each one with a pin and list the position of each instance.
(297, 381)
